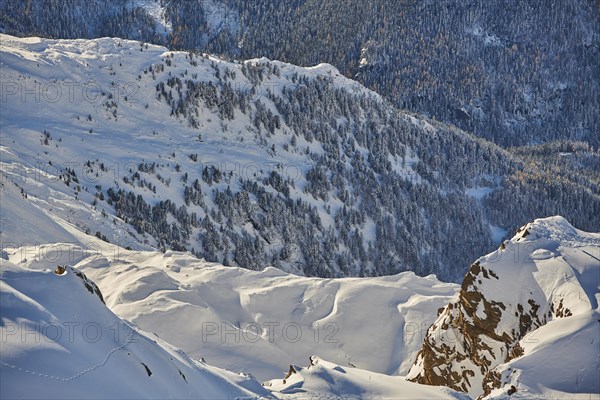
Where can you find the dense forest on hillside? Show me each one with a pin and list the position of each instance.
(519, 72)
(418, 219)
(375, 191)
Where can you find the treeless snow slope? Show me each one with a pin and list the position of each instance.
(222, 314)
(259, 322)
(60, 341)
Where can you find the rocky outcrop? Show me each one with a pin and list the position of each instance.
(505, 296)
(89, 285)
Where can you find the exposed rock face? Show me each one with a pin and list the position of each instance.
(505, 296)
(89, 285)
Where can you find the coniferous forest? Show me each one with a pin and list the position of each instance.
(516, 73)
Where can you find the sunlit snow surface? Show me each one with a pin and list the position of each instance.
(197, 306)
(60, 341)
(259, 322)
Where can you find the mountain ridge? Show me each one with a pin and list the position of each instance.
(227, 166)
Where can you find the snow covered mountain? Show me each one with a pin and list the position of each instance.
(60, 341)
(117, 157)
(252, 164)
(253, 323)
(526, 319)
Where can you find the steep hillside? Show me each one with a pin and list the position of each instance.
(256, 163)
(60, 341)
(517, 75)
(526, 319)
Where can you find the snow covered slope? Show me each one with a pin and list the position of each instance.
(259, 322)
(23, 223)
(60, 341)
(215, 165)
(248, 164)
(526, 319)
